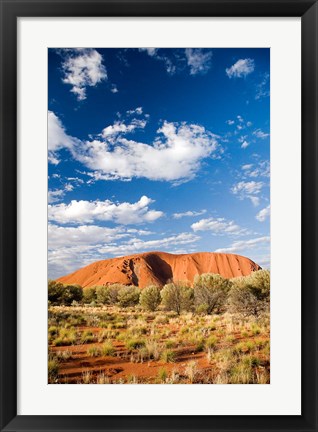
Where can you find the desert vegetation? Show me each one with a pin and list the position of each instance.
(214, 332)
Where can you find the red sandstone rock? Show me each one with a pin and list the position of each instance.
(159, 268)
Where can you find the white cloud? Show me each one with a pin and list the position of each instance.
(136, 245)
(119, 127)
(230, 122)
(84, 235)
(189, 213)
(218, 226)
(245, 245)
(171, 68)
(241, 68)
(71, 248)
(262, 89)
(57, 138)
(199, 60)
(114, 88)
(248, 190)
(244, 145)
(89, 211)
(55, 195)
(251, 187)
(83, 68)
(262, 169)
(260, 134)
(150, 51)
(175, 155)
(137, 110)
(263, 214)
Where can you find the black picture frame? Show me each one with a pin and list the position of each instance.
(10, 11)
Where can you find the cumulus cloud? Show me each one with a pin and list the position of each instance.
(89, 211)
(57, 138)
(136, 245)
(262, 169)
(189, 213)
(260, 134)
(244, 144)
(263, 214)
(245, 245)
(175, 155)
(248, 190)
(241, 68)
(218, 226)
(70, 248)
(198, 60)
(82, 68)
(55, 195)
(119, 127)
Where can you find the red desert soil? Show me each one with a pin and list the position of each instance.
(160, 267)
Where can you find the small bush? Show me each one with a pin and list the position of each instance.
(134, 343)
(128, 296)
(102, 294)
(107, 349)
(89, 295)
(250, 295)
(211, 342)
(177, 297)
(87, 337)
(53, 369)
(71, 293)
(168, 356)
(150, 298)
(210, 292)
(162, 375)
(93, 351)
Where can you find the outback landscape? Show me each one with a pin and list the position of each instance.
(142, 325)
(158, 215)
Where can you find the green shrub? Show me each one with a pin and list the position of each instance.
(128, 296)
(71, 293)
(102, 294)
(107, 349)
(250, 295)
(211, 341)
(93, 351)
(53, 368)
(177, 297)
(89, 295)
(134, 343)
(150, 298)
(55, 291)
(87, 337)
(168, 356)
(210, 292)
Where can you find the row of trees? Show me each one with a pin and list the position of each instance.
(211, 293)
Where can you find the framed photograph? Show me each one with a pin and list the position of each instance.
(158, 215)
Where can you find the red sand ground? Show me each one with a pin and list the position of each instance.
(160, 267)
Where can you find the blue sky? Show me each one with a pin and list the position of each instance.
(157, 149)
